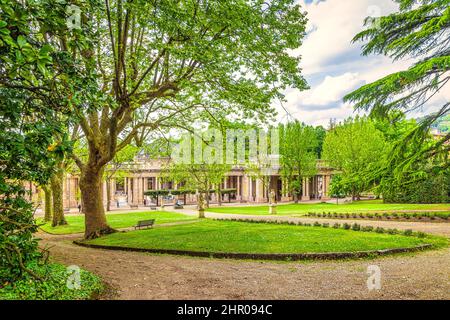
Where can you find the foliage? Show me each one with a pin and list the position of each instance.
(337, 188)
(421, 180)
(433, 189)
(355, 147)
(29, 119)
(171, 64)
(299, 145)
(420, 31)
(53, 285)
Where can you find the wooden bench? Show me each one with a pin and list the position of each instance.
(144, 223)
(153, 207)
(134, 206)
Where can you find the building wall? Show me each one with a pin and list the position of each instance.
(144, 175)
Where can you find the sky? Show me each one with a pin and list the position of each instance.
(333, 66)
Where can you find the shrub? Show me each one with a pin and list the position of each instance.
(53, 286)
(346, 226)
(421, 234)
(379, 230)
(325, 225)
(408, 232)
(336, 226)
(367, 229)
(356, 227)
(317, 224)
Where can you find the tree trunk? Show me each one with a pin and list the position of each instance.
(57, 182)
(108, 194)
(48, 203)
(201, 206)
(92, 195)
(219, 194)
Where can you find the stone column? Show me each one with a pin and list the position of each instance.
(135, 191)
(238, 188)
(326, 187)
(259, 191)
(305, 190)
(250, 189)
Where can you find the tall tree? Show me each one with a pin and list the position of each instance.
(169, 63)
(28, 122)
(298, 154)
(354, 147)
(132, 67)
(419, 30)
(199, 177)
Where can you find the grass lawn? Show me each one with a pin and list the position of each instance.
(357, 206)
(122, 220)
(242, 237)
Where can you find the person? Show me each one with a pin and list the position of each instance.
(79, 208)
(117, 203)
(145, 202)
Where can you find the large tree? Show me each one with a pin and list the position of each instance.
(419, 30)
(298, 154)
(356, 148)
(163, 64)
(28, 122)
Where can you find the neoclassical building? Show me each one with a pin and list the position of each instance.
(145, 174)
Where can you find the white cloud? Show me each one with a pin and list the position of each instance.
(332, 89)
(333, 24)
(331, 63)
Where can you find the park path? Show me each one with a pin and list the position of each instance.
(132, 275)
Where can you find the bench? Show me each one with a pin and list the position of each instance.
(178, 206)
(144, 223)
(153, 207)
(134, 206)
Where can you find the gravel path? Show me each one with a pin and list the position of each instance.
(424, 275)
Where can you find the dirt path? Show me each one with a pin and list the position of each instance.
(424, 275)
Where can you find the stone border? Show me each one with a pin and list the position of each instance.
(265, 256)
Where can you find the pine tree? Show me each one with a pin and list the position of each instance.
(420, 30)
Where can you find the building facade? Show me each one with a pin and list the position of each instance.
(144, 174)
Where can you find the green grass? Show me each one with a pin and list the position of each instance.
(54, 285)
(357, 206)
(242, 237)
(119, 220)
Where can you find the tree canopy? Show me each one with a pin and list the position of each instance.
(355, 147)
(419, 30)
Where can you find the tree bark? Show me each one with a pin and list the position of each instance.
(201, 205)
(57, 182)
(48, 203)
(219, 194)
(92, 195)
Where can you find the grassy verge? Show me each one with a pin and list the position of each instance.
(122, 220)
(243, 237)
(304, 208)
(53, 287)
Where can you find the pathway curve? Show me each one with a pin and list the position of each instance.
(424, 275)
